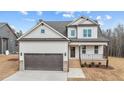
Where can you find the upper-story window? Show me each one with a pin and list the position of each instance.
(42, 30)
(72, 32)
(87, 33)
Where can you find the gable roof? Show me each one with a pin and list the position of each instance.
(59, 29)
(6, 24)
(83, 17)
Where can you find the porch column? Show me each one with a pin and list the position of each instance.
(80, 55)
(107, 56)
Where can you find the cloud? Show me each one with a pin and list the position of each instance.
(67, 14)
(108, 17)
(101, 23)
(98, 17)
(24, 12)
(39, 13)
(90, 16)
(88, 12)
(29, 19)
(12, 26)
(58, 12)
(100, 20)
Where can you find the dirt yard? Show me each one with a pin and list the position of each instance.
(8, 65)
(114, 72)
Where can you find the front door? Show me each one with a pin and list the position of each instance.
(72, 52)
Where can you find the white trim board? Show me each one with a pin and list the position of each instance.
(42, 22)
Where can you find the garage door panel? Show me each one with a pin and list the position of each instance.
(44, 62)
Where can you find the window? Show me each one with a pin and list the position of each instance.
(87, 33)
(96, 49)
(72, 32)
(83, 49)
(42, 31)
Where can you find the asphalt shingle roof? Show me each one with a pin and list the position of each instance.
(61, 27)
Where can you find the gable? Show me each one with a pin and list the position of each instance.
(49, 33)
(6, 31)
(82, 21)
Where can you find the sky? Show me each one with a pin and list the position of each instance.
(25, 20)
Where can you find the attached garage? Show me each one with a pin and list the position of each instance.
(53, 62)
(43, 48)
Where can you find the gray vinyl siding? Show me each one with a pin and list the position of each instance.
(6, 33)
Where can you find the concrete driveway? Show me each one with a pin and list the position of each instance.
(38, 76)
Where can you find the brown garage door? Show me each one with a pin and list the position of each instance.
(44, 62)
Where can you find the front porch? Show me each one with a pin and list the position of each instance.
(89, 53)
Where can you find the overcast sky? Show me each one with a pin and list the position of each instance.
(24, 20)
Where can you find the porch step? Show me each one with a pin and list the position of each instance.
(74, 64)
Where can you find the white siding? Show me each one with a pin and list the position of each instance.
(89, 52)
(80, 32)
(80, 28)
(69, 32)
(82, 21)
(42, 47)
(93, 32)
(90, 49)
(36, 33)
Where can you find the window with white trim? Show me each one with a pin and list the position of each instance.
(84, 49)
(96, 50)
(72, 32)
(87, 33)
(42, 30)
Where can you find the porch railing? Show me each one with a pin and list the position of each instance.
(92, 56)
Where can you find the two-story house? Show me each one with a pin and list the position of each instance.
(50, 45)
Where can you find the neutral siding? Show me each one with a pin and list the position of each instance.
(79, 31)
(82, 21)
(6, 33)
(36, 33)
(93, 32)
(69, 32)
(43, 47)
(89, 50)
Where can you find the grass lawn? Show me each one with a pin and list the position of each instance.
(115, 71)
(8, 65)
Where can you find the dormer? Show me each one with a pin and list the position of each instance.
(82, 27)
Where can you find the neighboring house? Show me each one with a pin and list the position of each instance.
(7, 39)
(51, 44)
